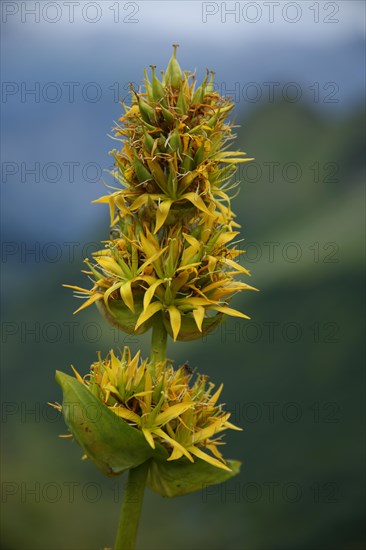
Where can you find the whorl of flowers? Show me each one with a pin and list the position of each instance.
(163, 403)
(172, 224)
(170, 264)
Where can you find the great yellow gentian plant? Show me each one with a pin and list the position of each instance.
(169, 266)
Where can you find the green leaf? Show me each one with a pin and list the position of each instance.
(180, 477)
(111, 443)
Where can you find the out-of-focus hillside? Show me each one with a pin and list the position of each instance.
(293, 374)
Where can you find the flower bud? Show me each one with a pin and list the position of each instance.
(157, 88)
(173, 73)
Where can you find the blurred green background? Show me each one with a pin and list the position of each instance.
(293, 375)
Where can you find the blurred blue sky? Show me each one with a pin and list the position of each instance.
(257, 44)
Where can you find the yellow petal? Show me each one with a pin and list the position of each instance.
(230, 311)
(91, 300)
(192, 241)
(224, 238)
(172, 412)
(149, 245)
(195, 301)
(149, 312)
(233, 427)
(175, 444)
(103, 199)
(236, 266)
(176, 454)
(189, 253)
(56, 406)
(109, 199)
(162, 213)
(212, 286)
(203, 456)
(149, 294)
(78, 375)
(235, 161)
(110, 291)
(122, 412)
(214, 450)
(142, 200)
(179, 281)
(175, 320)
(146, 403)
(127, 296)
(151, 260)
(198, 315)
(109, 264)
(205, 433)
(224, 154)
(149, 437)
(233, 286)
(78, 288)
(216, 395)
(158, 173)
(197, 202)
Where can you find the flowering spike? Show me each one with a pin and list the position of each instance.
(170, 264)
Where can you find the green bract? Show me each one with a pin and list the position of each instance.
(113, 445)
(170, 479)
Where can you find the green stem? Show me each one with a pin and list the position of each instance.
(158, 341)
(131, 507)
(134, 492)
